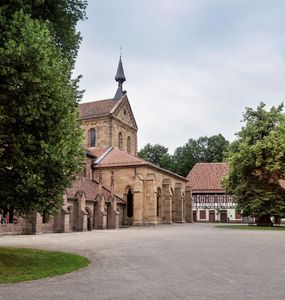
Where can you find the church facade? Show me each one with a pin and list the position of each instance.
(116, 187)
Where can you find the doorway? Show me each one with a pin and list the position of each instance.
(212, 216)
(223, 217)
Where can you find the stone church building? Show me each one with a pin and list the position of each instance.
(116, 187)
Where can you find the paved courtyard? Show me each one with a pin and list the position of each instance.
(181, 261)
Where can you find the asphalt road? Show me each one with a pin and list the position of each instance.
(181, 261)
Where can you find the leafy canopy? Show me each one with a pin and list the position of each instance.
(257, 164)
(62, 17)
(40, 139)
(204, 149)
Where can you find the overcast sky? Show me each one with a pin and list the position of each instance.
(192, 66)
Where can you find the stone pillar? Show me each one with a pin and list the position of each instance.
(179, 215)
(36, 221)
(138, 201)
(188, 202)
(81, 212)
(150, 200)
(166, 202)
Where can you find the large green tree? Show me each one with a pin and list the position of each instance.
(257, 164)
(62, 17)
(40, 139)
(204, 149)
(156, 154)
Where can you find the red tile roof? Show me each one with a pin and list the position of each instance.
(96, 108)
(119, 158)
(91, 190)
(97, 152)
(207, 177)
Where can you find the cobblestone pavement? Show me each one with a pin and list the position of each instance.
(181, 261)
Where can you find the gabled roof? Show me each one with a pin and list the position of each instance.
(103, 108)
(98, 108)
(207, 177)
(114, 157)
(90, 188)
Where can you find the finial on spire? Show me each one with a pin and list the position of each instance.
(120, 78)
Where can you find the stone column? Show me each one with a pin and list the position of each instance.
(188, 201)
(150, 200)
(179, 215)
(138, 207)
(166, 202)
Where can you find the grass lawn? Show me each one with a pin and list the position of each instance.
(251, 227)
(18, 264)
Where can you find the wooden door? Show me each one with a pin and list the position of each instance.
(194, 216)
(224, 218)
(212, 216)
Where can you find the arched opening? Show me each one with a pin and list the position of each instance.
(158, 203)
(130, 204)
(120, 141)
(89, 219)
(109, 215)
(129, 144)
(92, 137)
(45, 216)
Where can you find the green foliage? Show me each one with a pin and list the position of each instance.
(253, 227)
(257, 164)
(28, 264)
(204, 149)
(40, 139)
(62, 17)
(156, 154)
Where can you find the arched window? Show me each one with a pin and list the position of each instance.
(129, 145)
(120, 143)
(130, 204)
(92, 137)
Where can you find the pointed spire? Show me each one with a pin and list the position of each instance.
(120, 78)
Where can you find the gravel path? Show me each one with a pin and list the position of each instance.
(181, 261)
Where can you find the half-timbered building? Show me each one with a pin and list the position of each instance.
(209, 198)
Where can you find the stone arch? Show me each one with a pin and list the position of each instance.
(89, 218)
(129, 144)
(130, 203)
(120, 141)
(158, 203)
(92, 137)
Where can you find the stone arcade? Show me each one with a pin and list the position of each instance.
(116, 188)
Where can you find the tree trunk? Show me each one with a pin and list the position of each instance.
(264, 221)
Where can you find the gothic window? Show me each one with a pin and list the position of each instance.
(129, 145)
(120, 144)
(92, 137)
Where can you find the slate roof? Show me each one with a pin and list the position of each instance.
(114, 157)
(98, 108)
(207, 177)
(91, 190)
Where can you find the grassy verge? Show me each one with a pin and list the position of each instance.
(252, 227)
(18, 264)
